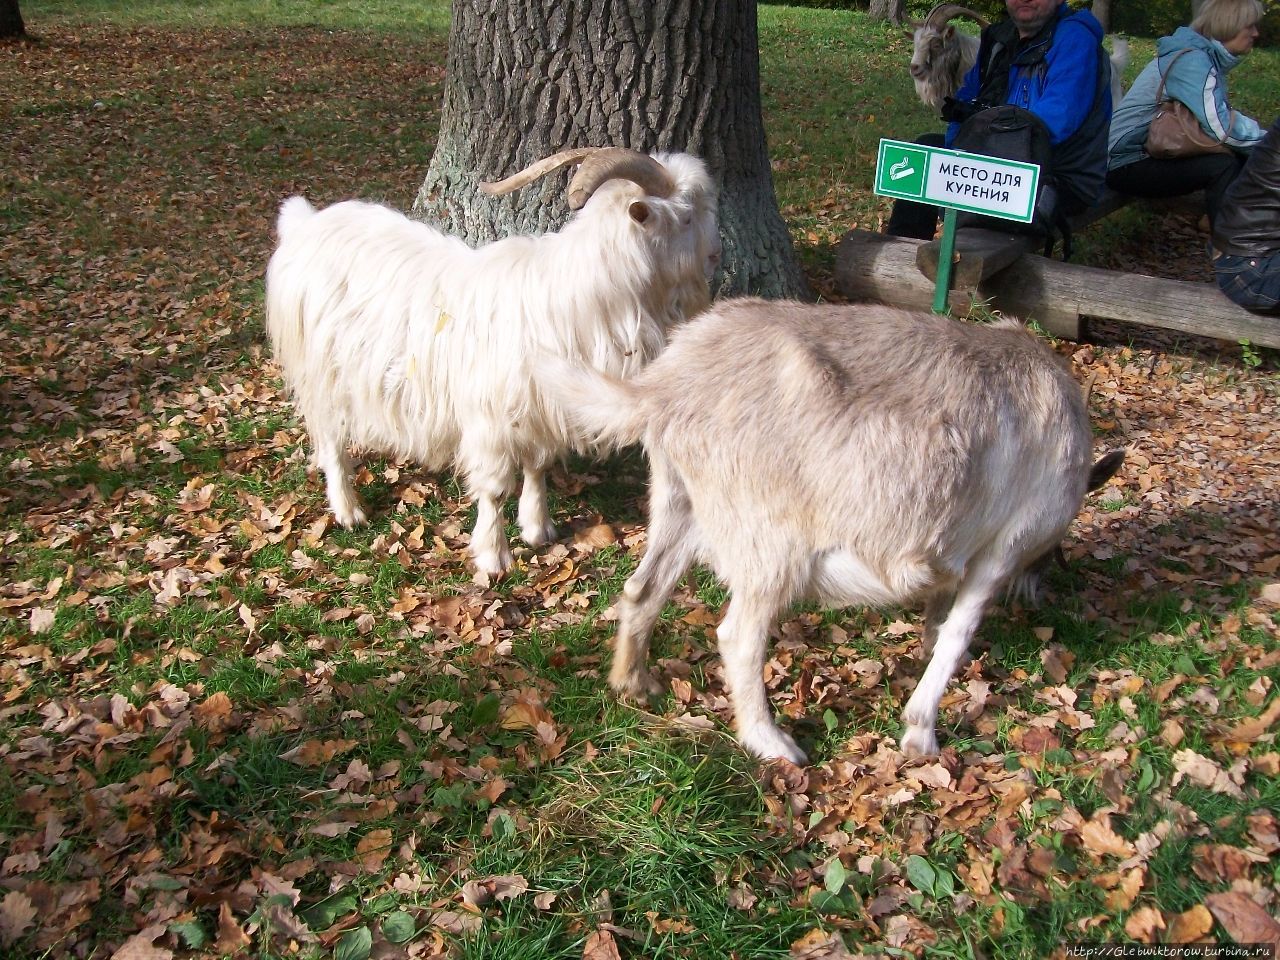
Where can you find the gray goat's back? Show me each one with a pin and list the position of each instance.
(904, 436)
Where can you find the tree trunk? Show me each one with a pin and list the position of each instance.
(1102, 10)
(11, 24)
(527, 78)
(891, 10)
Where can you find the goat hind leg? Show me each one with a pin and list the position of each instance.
(536, 527)
(952, 643)
(744, 641)
(332, 459)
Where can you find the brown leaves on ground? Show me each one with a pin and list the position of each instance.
(131, 351)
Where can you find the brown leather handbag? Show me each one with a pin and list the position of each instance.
(1175, 131)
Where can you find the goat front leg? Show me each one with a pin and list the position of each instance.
(952, 643)
(332, 459)
(672, 539)
(536, 527)
(744, 640)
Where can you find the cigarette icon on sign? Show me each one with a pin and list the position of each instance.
(901, 169)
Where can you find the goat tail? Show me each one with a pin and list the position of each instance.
(607, 411)
(292, 212)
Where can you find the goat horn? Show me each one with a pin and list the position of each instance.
(944, 12)
(618, 163)
(535, 170)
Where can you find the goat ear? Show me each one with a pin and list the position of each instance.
(950, 31)
(639, 211)
(1105, 469)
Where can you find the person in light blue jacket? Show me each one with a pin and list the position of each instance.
(1220, 35)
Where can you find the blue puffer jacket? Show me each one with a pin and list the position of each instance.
(1068, 88)
(1198, 79)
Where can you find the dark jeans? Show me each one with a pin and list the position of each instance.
(911, 219)
(1252, 282)
(1210, 172)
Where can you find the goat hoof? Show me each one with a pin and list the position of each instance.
(351, 517)
(493, 565)
(919, 742)
(637, 685)
(537, 536)
(773, 744)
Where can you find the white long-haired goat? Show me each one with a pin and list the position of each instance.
(397, 338)
(857, 455)
(941, 55)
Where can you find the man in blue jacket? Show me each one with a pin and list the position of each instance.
(1049, 60)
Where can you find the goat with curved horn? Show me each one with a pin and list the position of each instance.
(944, 12)
(535, 170)
(597, 164)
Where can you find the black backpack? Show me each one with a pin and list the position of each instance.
(1012, 133)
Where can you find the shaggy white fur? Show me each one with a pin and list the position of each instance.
(396, 338)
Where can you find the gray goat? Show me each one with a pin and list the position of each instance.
(852, 454)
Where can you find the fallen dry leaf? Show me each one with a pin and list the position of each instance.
(1190, 926)
(478, 893)
(316, 753)
(820, 945)
(1144, 923)
(373, 849)
(17, 913)
(1099, 839)
(141, 946)
(231, 936)
(601, 946)
(1201, 770)
(1241, 917)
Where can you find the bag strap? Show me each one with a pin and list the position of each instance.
(1231, 111)
(1164, 75)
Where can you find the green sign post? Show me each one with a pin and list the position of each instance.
(955, 180)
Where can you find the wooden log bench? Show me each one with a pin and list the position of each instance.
(1005, 271)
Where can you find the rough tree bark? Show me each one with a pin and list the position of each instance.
(1102, 10)
(891, 10)
(527, 78)
(11, 24)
